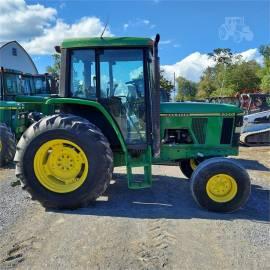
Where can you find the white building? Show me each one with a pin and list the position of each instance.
(14, 56)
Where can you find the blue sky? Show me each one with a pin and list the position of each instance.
(185, 27)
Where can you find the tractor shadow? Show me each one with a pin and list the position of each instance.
(253, 165)
(169, 198)
(8, 166)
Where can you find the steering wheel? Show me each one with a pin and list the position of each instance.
(122, 96)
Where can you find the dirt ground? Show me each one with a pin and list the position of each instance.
(157, 228)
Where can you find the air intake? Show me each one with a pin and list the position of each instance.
(226, 132)
(199, 129)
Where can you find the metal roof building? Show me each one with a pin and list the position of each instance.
(14, 56)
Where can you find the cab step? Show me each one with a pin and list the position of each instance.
(143, 160)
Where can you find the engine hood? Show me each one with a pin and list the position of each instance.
(197, 108)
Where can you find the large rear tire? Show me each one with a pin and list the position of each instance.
(220, 185)
(7, 145)
(64, 161)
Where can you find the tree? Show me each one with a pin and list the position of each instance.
(229, 75)
(265, 84)
(207, 84)
(55, 68)
(166, 86)
(221, 56)
(264, 73)
(224, 59)
(243, 75)
(187, 90)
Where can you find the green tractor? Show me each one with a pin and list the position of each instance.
(16, 116)
(12, 117)
(110, 115)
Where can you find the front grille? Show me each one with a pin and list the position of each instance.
(199, 129)
(226, 132)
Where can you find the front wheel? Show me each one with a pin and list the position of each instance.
(220, 185)
(7, 145)
(64, 161)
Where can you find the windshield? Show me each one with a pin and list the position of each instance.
(12, 84)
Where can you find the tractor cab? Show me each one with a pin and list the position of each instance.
(121, 75)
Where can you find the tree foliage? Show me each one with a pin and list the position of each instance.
(264, 73)
(221, 56)
(230, 75)
(166, 86)
(55, 67)
(187, 90)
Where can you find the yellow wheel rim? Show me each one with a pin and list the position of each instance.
(221, 188)
(193, 164)
(1, 146)
(60, 166)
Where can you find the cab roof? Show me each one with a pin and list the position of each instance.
(107, 42)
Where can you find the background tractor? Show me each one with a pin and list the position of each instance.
(16, 116)
(110, 115)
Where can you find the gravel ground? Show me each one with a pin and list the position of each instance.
(157, 228)
(13, 201)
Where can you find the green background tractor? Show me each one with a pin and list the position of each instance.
(16, 116)
(110, 115)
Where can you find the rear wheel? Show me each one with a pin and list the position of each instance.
(7, 145)
(64, 161)
(220, 185)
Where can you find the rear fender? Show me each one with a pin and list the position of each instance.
(97, 106)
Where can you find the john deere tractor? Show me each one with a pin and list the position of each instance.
(110, 115)
(16, 116)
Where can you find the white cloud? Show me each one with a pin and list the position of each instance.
(146, 22)
(38, 29)
(192, 66)
(19, 20)
(136, 73)
(165, 42)
(85, 27)
(252, 54)
(138, 23)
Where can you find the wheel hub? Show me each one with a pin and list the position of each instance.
(221, 188)
(64, 163)
(60, 165)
